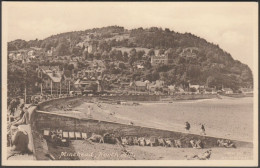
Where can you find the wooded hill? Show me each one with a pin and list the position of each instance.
(212, 66)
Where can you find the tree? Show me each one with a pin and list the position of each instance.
(164, 76)
(93, 87)
(104, 46)
(193, 89)
(97, 55)
(70, 67)
(132, 52)
(147, 64)
(161, 51)
(85, 54)
(151, 52)
(104, 55)
(140, 54)
(210, 81)
(62, 49)
(122, 66)
(119, 55)
(132, 56)
(125, 56)
(76, 51)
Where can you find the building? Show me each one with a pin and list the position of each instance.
(246, 90)
(88, 85)
(227, 91)
(171, 89)
(74, 63)
(138, 86)
(190, 52)
(124, 85)
(31, 54)
(19, 55)
(161, 59)
(53, 80)
(50, 52)
(91, 46)
(196, 87)
(11, 55)
(155, 85)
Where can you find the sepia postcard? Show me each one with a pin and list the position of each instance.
(129, 84)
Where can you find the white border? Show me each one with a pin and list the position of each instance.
(5, 162)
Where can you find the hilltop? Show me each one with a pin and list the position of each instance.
(191, 59)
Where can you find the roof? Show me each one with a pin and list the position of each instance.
(194, 86)
(140, 83)
(147, 81)
(77, 82)
(246, 90)
(227, 89)
(159, 82)
(67, 73)
(46, 68)
(36, 48)
(171, 87)
(55, 78)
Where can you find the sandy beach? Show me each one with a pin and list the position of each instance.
(228, 118)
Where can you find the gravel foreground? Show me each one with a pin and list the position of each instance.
(85, 150)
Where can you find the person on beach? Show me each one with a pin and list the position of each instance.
(187, 126)
(19, 142)
(23, 118)
(203, 129)
(32, 99)
(12, 106)
(89, 112)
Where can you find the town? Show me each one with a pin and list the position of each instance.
(95, 68)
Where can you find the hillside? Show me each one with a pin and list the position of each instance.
(195, 60)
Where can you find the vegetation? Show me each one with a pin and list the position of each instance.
(212, 66)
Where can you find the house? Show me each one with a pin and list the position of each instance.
(227, 91)
(50, 52)
(20, 56)
(138, 86)
(161, 59)
(92, 72)
(246, 90)
(74, 63)
(53, 79)
(87, 84)
(53, 82)
(91, 46)
(156, 85)
(151, 87)
(31, 53)
(11, 56)
(124, 85)
(147, 82)
(196, 87)
(171, 89)
(179, 89)
(190, 52)
(140, 67)
(159, 83)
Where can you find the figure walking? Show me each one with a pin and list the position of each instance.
(187, 126)
(203, 129)
(89, 112)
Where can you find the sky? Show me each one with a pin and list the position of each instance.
(231, 25)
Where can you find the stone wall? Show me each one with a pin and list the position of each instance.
(47, 120)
